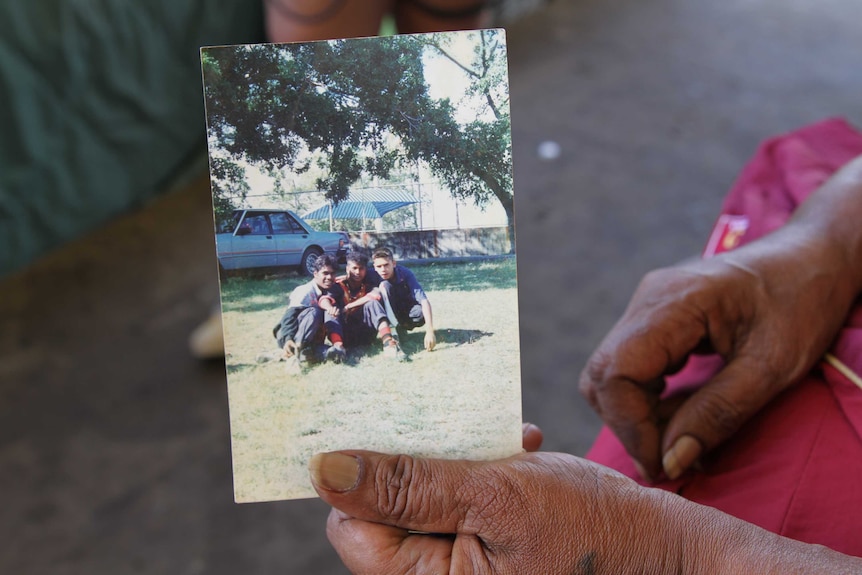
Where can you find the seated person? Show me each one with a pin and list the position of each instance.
(364, 318)
(407, 306)
(313, 315)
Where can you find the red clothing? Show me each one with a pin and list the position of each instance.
(796, 467)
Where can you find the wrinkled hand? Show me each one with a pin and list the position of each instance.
(770, 309)
(430, 340)
(534, 513)
(545, 513)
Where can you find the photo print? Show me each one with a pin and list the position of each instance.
(364, 228)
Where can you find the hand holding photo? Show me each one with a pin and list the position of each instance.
(354, 183)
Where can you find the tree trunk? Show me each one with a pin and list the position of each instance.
(509, 206)
(508, 202)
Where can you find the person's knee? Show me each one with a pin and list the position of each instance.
(311, 314)
(373, 313)
(310, 321)
(280, 339)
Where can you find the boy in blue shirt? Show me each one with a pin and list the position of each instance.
(405, 301)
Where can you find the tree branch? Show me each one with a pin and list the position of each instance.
(451, 58)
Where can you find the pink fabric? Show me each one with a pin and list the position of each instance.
(796, 468)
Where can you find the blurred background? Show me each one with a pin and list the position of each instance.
(630, 121)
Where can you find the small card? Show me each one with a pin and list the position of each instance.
(364, 219)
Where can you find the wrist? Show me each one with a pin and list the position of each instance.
(650, 531)
(711, 542)
(756, 551)
(832, 215)
(700, 540)
(810, 265)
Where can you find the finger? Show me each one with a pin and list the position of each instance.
(630, 410)
(624, 378)
(641, 437)
(667, 407)
(532, 437)
(714, 413)
(376, 549)
(427, 495)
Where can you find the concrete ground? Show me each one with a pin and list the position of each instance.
(114, 454)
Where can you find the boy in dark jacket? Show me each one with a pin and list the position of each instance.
(313, 314)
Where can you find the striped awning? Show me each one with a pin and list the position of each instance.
(367, 203)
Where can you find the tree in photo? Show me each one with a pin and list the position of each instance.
(475, 159)
(362, 107)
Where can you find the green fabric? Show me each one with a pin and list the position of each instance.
(101, 108)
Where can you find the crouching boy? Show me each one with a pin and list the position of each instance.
(313, 315)
(364, 317)
(405, 301)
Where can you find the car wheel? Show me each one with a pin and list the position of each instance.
(306, 266)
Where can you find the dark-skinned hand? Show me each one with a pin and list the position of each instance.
(532, 513)
(769, 309)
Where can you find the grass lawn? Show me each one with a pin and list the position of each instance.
(461, 400)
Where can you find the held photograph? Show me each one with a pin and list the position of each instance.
(364, 229)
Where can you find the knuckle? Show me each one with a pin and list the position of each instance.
(656, 283)
(595, 374)
(653, 277)
(396, 488)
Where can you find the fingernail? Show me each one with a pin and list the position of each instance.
(334, 471)
(680, 456)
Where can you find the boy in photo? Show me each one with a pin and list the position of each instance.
(364, 317)
(404, 300)
(313, 314)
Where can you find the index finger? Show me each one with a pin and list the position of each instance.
(623, 380)
(372, 548)
(628, 408)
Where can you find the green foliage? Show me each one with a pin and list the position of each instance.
(229, 188)
(363, 107)
(269, 103)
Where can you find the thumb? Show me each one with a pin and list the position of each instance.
(714, 413)
(410, 493)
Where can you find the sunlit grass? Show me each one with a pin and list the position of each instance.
(461, 400)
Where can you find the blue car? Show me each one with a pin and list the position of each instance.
(274, 239)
